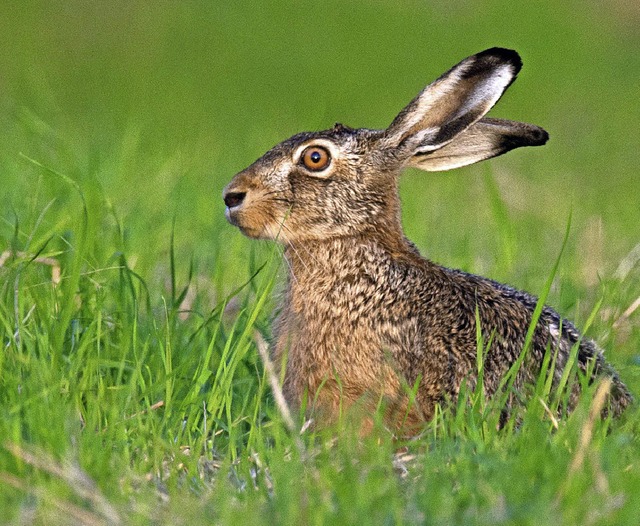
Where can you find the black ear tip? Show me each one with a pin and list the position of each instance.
(539, 136)
(502, 55)
(523, 135)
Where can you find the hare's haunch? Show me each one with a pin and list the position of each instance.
(364, 317)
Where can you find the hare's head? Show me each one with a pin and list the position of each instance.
(343, 181)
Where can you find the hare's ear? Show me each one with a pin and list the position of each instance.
(449, 105)
(482, 140)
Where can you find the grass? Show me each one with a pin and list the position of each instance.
(131, 387)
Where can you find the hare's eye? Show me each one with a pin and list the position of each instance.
(315, 158)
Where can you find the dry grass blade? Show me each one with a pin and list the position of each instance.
(52, 262)
(628, 263)
(627, 313)
(586, 435)
(76, 478)
(281, 403)
(552, 417)
(587, 429)
(152, 407)
(70, 513)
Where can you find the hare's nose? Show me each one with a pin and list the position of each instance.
(233, 199)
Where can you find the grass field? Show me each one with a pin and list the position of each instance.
(131, 389)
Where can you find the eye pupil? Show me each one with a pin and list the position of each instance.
(315, 156)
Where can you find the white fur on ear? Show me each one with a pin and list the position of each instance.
(452, 103)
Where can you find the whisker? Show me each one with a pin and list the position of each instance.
(302, 246)
(291, 272)
(279, 234)
(293, 248)
(285, 228)
(276, 235)
(279, 197)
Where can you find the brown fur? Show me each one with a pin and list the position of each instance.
(364, 317)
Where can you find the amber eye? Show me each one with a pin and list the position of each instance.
(316, 158)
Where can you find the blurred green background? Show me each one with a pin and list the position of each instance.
(153, 106)
(142, 111)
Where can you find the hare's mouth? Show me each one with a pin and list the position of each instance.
(236, 218)
(232, 213)
(247, 230)
(248, 224)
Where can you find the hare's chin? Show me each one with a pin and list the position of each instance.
(254, 232)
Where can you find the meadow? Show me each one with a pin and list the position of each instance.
(131, 386)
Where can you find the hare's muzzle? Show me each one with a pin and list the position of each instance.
(233, 200)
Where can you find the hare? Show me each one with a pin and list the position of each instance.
(364, 318)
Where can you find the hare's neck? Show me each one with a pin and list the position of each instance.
(314, 264)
